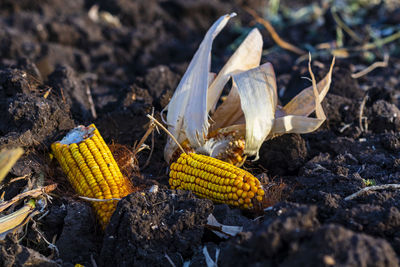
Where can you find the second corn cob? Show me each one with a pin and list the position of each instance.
(91, 169)
(217, 180)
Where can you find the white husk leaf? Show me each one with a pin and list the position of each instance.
(246, 56)
(295, 124)
(257, 90)
(302, 104)
(188, 106)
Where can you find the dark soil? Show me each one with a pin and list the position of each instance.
(148, 226)
(55, 61)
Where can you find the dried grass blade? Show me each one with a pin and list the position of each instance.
(378, 64)
(275, 36)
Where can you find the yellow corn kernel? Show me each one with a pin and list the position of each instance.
(92, 170)
(215, 179)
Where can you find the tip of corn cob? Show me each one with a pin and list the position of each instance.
(78, 134)
(219, 181)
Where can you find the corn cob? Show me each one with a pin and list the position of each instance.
(91, 169)
(214, 179)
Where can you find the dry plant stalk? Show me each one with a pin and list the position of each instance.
(372, 188)
(275, 36)
(378, 64)
(31, 193)
(249, 115)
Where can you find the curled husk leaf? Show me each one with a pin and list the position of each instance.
(192, 92)
(258, 98)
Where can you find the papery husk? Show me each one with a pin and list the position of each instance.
(188, 106)
(251, 108)
(258, 99)
(302, 105)
(247, 56)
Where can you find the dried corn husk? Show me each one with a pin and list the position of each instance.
(247, 56)
(292, 118)
(258, 98)
(250, 111)
(190, 97)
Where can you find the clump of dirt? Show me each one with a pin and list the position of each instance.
(27, 117)
(284, 155)
(74, 91)
(290, 234)
(147, 226)
(385, 117)
(78, 241)
(334, 245)
(161, 82)
(30, 120)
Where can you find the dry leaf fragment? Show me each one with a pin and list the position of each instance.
(8, 157)
(31, 193)
(224, 231)
(15, 219)
(209, 261)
